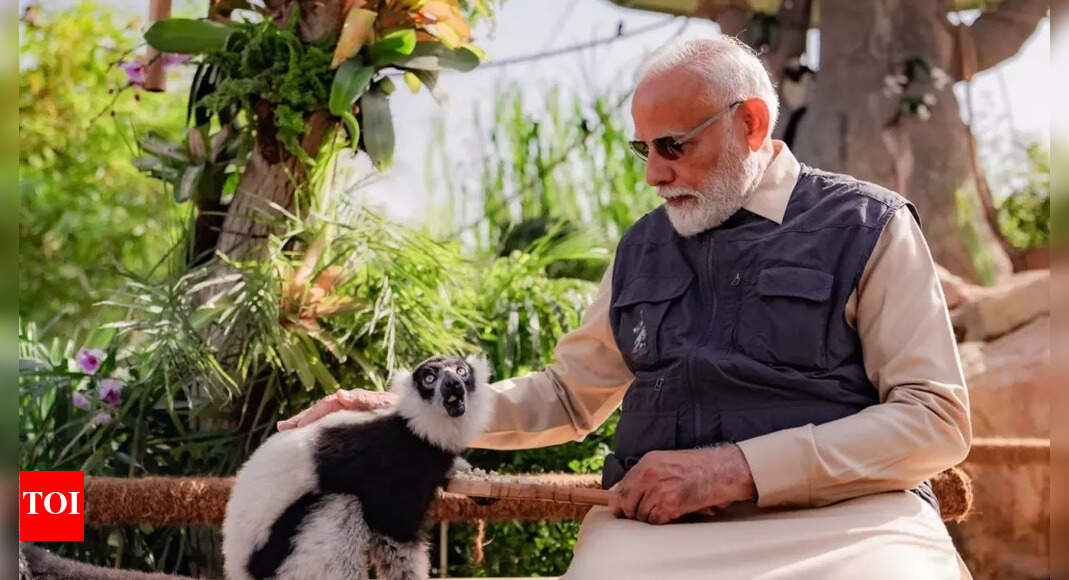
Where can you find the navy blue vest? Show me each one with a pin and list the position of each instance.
(739, 331)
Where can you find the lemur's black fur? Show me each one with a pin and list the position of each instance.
(265, 562)
(407, 471)
(393, 472)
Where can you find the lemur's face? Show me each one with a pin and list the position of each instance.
(447, 381)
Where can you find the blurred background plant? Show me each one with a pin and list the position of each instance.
(85, 209)
(1024, 214)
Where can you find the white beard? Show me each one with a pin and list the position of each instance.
(722, 193)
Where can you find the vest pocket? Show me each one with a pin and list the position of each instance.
(639, 312)
(784, 320)
(638, 433)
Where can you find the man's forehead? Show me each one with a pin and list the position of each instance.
(670, 103)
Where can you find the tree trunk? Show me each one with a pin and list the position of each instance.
(269, 179)
(851, 126)
(272, 174)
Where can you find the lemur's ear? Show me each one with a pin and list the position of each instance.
(481, 368)
(401, 381)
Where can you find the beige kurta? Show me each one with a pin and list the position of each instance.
(920, 428)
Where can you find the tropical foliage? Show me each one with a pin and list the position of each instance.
(1024, 215)
(153, 383)
(85, 212)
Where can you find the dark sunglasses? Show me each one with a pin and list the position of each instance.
(671, 148)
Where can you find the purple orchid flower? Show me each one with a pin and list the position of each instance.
(137, 71)
(110, 391)
(90, 359)
(102, 418)
(81, 401)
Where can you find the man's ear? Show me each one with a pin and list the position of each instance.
(756, 117)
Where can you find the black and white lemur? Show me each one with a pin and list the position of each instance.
(352, 489)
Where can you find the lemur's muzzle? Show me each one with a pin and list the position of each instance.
(453, 396)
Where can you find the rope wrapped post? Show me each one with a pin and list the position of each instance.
(954, 490)
(156, 76)
(162, 501)
(1009, 451)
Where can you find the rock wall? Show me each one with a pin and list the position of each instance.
(1005, 354)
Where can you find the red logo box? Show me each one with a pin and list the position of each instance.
(51, 506)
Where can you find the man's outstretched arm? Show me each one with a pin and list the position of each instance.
(568, 399)
(921, 425)
(562, 403)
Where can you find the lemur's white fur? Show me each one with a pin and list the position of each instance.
(334, 539)
(436, 425)
(326, 542)
(277, 474)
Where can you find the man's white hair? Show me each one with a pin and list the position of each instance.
(725, 63)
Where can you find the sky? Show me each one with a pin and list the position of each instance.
(1013, 101)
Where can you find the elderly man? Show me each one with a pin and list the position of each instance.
(780, 343)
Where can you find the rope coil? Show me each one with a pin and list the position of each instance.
(179, 501)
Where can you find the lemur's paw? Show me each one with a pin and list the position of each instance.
(460, 465)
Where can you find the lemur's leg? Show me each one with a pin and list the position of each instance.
(332, 543)
(400, 560)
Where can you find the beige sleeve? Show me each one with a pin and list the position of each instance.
(568, 399)
(921, 425)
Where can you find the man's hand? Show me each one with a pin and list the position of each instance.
(354, 400)
(666, 485)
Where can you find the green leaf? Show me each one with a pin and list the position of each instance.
(187, 184)
(295, 361)
(353, 126)
(160, 147)
(350, 83)
(202, 316)
(412, 81)
(322, 374)
(387, 86)
(156, 167)
(435, 56)
(378, 127)
(429, 78)
(187, 36)
(461, 59)
(392, 47)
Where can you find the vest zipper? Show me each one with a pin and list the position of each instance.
(710, 289)
(736, 282)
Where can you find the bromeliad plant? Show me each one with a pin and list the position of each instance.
(263, 86)
(257, 77)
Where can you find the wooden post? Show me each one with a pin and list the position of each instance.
(443, 549)
(155, 75)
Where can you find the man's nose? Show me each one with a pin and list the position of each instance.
(658, 171)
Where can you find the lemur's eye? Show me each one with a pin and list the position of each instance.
(462, 372)
(428, 379)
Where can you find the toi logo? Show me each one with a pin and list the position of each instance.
(51, 506)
